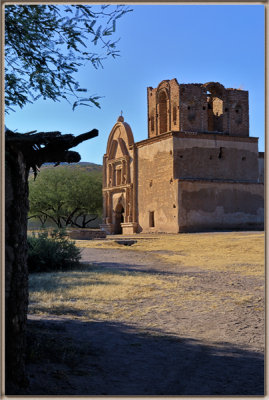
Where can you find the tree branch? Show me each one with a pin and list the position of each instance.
(42, 147)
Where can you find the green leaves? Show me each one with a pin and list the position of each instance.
(64, 194)
(52, 253)
(45, 45)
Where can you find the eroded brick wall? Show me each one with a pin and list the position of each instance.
(163, 108)
(197, 107)
(238, 111)
(193, 108)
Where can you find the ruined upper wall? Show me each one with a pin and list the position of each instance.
(197, 107)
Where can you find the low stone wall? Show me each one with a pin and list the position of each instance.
(86, 234)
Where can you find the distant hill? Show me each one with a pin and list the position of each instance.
(84, 166)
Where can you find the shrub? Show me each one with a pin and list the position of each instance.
(52, 253)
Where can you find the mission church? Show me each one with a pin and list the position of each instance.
(198, 170)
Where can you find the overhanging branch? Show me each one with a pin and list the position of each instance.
(42, 147)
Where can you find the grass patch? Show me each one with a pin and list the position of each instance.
(240, 252)
(148, 299)
(101, 293)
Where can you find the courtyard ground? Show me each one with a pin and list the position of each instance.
(168, 315)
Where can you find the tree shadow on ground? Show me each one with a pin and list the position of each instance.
(71, 357)
(120, 268)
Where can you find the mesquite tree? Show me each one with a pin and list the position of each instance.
(45, 45)
(66, 196)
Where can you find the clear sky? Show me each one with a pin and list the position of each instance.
(193, 43)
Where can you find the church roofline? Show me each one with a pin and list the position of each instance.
(195, 135)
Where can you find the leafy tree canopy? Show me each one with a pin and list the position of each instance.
(66, 196)
(46, 44)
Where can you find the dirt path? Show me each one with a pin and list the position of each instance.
(242, 327)
(193, 351)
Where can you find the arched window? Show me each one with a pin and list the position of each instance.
(163, 112)
(215, 113)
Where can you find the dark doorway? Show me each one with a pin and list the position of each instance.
(119, 218)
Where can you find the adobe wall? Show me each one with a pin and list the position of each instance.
(215, 157)
(205, 206)
(261, 167)
(197, 107)
(193, 108)
(211, 107)
(238, 112)
(157, 191)
(163, 108)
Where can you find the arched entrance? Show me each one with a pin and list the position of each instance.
(119, 218)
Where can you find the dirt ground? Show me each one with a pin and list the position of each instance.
(194, 351)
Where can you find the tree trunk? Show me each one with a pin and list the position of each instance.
(16, 273)
(24, 151)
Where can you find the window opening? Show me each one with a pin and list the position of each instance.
(175, 115)
(151, 219)
(163, 112)
(221, 152)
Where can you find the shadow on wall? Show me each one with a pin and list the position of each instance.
(101, 358)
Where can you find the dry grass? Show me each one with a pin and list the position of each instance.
(109, 294)
(100, 293)
(241, 252)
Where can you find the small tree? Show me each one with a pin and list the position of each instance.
(66, 196)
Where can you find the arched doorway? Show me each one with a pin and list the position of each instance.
(119, 218)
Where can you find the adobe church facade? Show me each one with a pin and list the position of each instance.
(198, 170)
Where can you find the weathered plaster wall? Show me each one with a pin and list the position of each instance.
(157, 191)
(215, 157)
(212, 205)
(261, 167)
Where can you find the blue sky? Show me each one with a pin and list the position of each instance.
(193, 43)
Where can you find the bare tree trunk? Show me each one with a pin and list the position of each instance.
(16, 276)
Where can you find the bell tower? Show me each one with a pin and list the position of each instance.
(163, 108)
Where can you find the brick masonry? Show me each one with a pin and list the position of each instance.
(197, 170)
